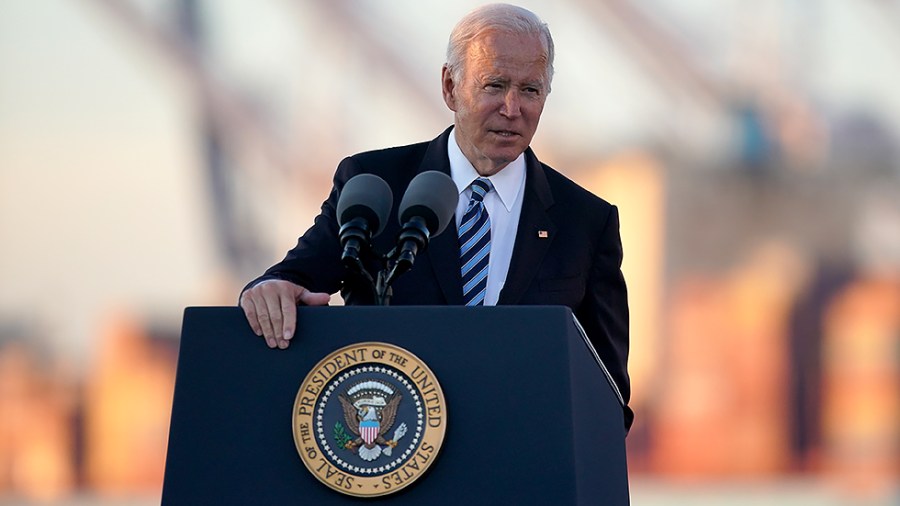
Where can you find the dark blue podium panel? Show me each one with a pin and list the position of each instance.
(532, 418)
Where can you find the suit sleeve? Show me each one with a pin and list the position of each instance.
(604, 310)
(315, 262)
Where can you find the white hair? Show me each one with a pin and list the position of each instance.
(503, 17)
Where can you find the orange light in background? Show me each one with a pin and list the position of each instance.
(635, 183)
(722, 409)
(128, 401)
(37, 436)
(861, 386)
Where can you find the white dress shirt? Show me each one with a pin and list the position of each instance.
(503, 204)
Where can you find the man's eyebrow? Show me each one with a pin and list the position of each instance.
(539, 84)
(500, 79)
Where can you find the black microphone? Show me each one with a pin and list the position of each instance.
(362, 212)
(425, 211)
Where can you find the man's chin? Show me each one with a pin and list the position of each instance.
(499, 162)
(506, 154)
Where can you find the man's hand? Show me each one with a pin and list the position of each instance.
(271, 309)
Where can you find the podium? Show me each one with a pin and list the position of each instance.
(532, 418)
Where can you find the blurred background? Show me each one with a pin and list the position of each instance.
(157, 154)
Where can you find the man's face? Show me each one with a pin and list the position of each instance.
(499, 99)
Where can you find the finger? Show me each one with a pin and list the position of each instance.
(276, 319)
(250, 312)
(265, 321)
(289, 312)
(313, 298)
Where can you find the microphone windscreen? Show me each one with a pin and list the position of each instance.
(366, 196)
(433, 196)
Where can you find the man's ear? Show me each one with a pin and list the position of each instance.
(448, 88)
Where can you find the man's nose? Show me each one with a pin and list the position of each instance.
(511, 105)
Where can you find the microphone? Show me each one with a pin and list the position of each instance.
(425, 211)
(362, 212)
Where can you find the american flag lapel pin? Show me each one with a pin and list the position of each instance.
(543, 234)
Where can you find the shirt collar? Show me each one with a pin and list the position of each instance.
(507, 183)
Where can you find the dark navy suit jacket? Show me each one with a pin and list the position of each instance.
(577, 264)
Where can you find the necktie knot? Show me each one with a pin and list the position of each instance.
(480, 188)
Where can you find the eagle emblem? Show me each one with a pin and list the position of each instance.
(370, 408)
(369, 419)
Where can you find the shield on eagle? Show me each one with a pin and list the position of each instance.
(368, 430)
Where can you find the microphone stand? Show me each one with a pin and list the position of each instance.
(383, 290)
(355, 237)
(386, 277)
(413, 238)
(381, 284)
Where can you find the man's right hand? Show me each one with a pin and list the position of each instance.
(271, 309)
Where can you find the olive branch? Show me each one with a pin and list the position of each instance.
(340, 435)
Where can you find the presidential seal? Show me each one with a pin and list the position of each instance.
(369, 419)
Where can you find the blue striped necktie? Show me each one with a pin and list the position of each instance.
(475, 244)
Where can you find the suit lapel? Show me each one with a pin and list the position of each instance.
(443, 250)
(535, 233)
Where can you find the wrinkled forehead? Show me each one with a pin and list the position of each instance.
(504, 40)
(499, 48)
(508, 56)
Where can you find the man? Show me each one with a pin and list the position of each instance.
(527, 235)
